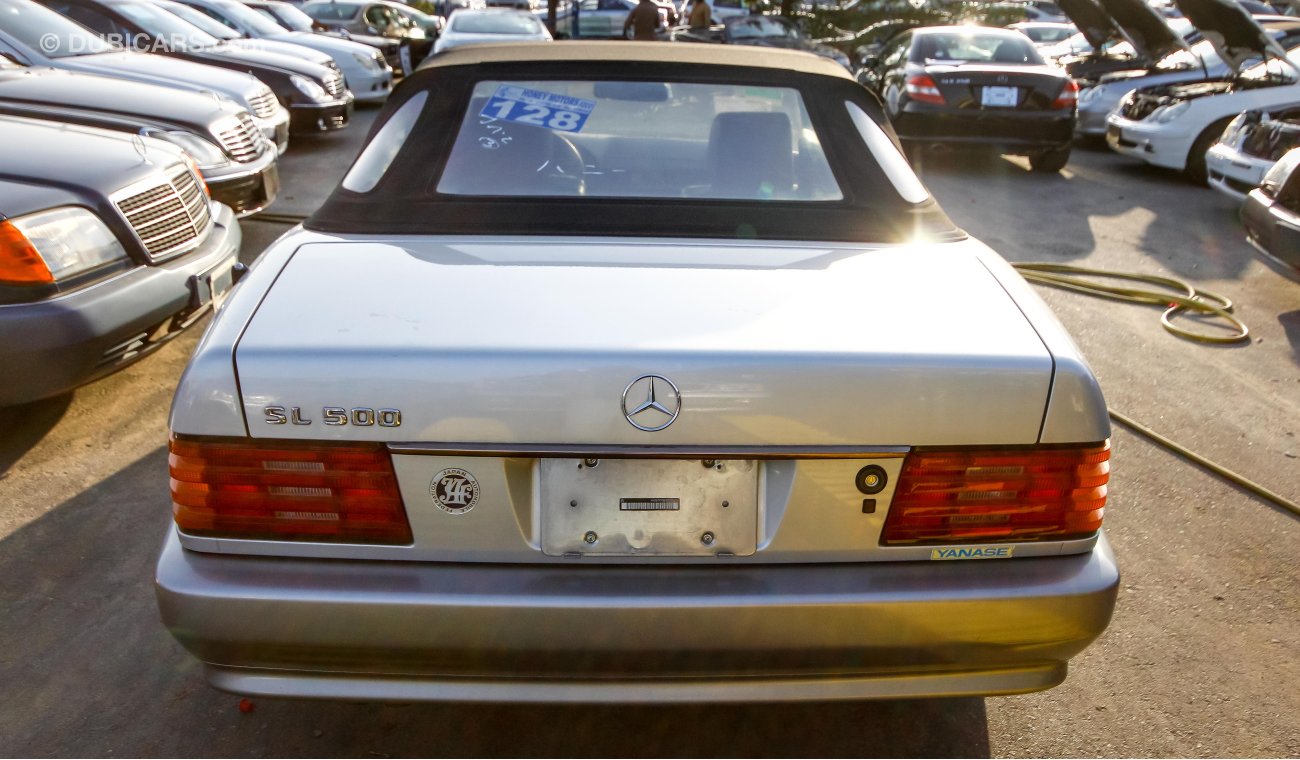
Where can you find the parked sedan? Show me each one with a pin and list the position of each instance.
(111, 248)
(315, 95)
(365, 72)
(290, 17)
(470, 27)
(237, 161)
(373, 18)
(976, 87)
(811, 440)
(776, 32)
(36, 36)
(1044, 33)
(1271, 213)
(1249, 147)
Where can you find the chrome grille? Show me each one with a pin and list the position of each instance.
(334, 84)
(263, 103)
(169, 218)
(240, 137)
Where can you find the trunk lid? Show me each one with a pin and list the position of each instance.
(533, 342)
(1235, 34)
(1146, 29)
(963, 86)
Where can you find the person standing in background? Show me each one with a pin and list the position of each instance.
(701, 17)
(643, 20)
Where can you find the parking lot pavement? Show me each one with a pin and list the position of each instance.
(1200, 660)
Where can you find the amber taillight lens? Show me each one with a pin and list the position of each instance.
(955, 496)
(286, 491)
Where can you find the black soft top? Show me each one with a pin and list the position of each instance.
(403, 202)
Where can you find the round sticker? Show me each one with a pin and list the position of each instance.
(454, 490)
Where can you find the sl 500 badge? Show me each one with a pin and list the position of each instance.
(454, 490)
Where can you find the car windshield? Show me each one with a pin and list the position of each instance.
(331, 11)
(178, 33)
(494, 23)
(638, 140)
(974, 46)
(756, 27)
(250, 18)
(200, 19)
(289, 17)
(47, 33)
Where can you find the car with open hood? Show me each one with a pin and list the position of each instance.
(315, 95)
(635, 373)
(1173, 126)
(1199, 63)
(975, 88)
(365, 72)
(1250, 145)
(36, 36)
(238, 163)
(1122, 35)
(109, 248)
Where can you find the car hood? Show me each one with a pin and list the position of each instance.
(75, 157)
(262, 61)
(311, 53)
(1146, 29)
(1094, 23)
(324, 45)
(1236, 36)
(50, 88)
(168, 72)
(514, 342)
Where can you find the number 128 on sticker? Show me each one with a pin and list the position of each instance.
(539, 109)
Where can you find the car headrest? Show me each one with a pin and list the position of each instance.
(751, 154)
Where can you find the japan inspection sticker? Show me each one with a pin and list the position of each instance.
(538, 108)
(454, 490)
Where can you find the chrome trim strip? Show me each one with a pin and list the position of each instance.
(571, 451)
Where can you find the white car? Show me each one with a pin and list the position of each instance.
(1173, 126)
(1201, 62)
(364, 69)
(1045, 33)
(621, 372)
(469, 27)
(1250, 146)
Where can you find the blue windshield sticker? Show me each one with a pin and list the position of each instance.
(539, 109)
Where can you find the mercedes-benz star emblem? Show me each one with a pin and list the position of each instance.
(662, 404)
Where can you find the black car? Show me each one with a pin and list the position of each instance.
(963, 86)
(1271, 212)
(316, 96)
(237, 161)
(110, 248)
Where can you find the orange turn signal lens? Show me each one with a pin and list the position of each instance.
(20, 263)
(1014, 494)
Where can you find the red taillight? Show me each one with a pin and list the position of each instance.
(922, 88)
(1015, 494)
(287, 491)
(1069, 96)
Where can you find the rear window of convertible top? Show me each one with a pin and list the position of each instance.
(622, 139)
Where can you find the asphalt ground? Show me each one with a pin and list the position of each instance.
(1202, 658)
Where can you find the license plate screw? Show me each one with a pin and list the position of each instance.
(725, 504)
(591, 537)
(708, 464)
(706, 539)
(591, 462)
(573, 502)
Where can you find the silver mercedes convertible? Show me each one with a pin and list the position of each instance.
(637, 373)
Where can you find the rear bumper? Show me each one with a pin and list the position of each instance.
(50, 347)
(1010, 130)
(518, 633)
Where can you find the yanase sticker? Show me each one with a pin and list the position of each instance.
(986, 552)
(538, 108)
